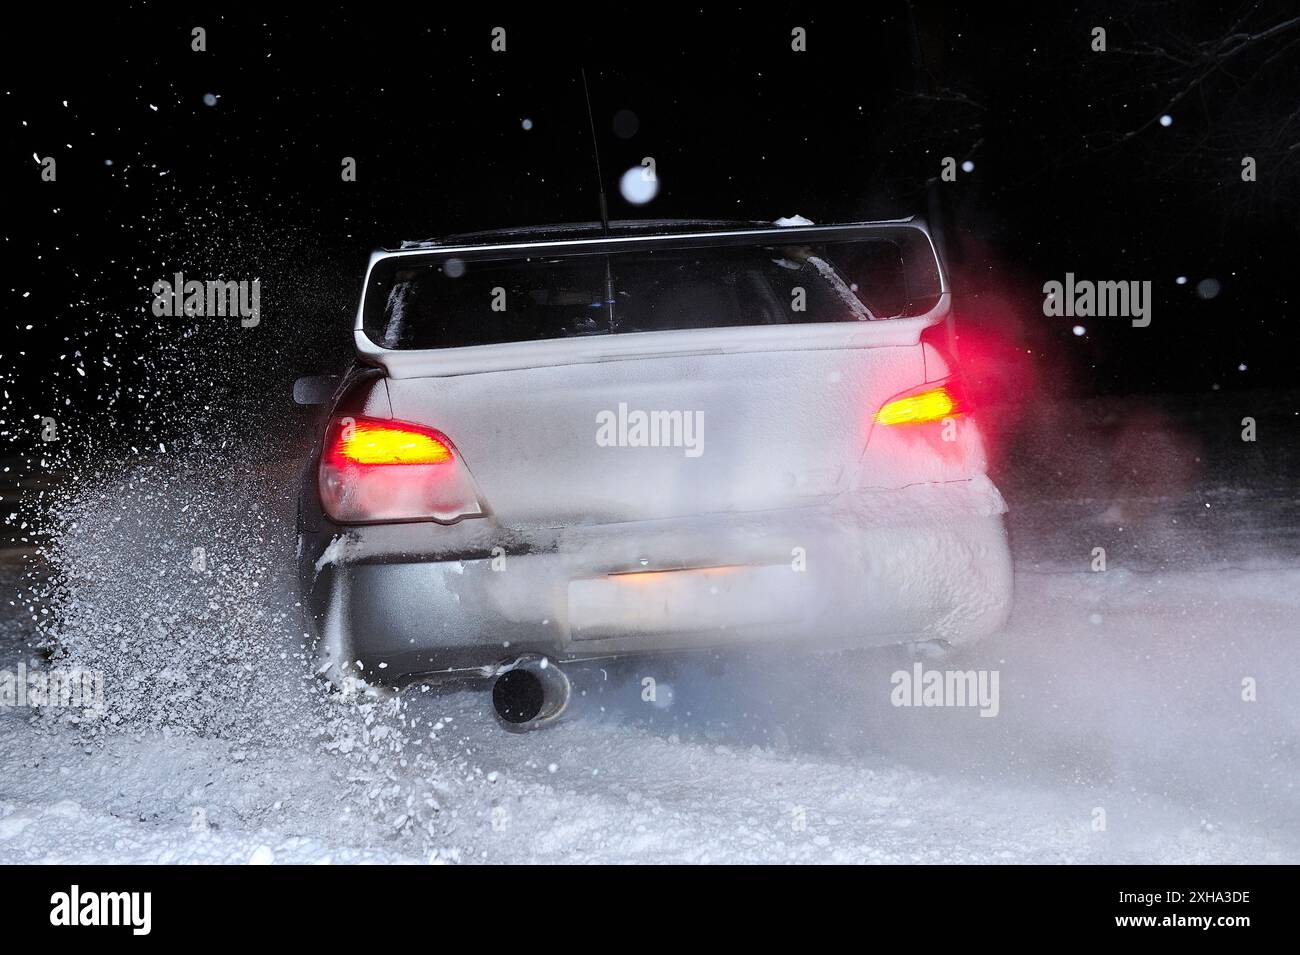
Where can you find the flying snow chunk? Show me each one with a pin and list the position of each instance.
(1208, 288)
(527, 124)
(1181, 280)
(1166, 120)
(1078, 329)
(209, 99)
(639, 185)
(785, 221)
(262, 855)
(968, 166)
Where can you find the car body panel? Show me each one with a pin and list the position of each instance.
(868, 569)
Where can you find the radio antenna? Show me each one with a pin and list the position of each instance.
(595, 151)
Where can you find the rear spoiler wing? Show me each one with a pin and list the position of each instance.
(439, 362)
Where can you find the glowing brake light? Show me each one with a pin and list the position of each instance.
(373, 470)
(369, 442)
(932, 404)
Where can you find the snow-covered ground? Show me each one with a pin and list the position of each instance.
(1121, 702)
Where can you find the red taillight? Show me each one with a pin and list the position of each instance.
(931, 402)
(374, 470)
(369, 441)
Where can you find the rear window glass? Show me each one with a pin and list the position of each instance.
(447, 302)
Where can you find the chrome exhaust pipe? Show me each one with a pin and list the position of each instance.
(530, 693)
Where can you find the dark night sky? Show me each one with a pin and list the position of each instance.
(1070, 173)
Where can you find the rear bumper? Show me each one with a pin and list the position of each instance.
(869, 569)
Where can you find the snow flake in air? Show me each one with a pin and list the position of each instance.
(639, 185)
(1209, 288)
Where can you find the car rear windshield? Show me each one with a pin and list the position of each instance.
(442, 301)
